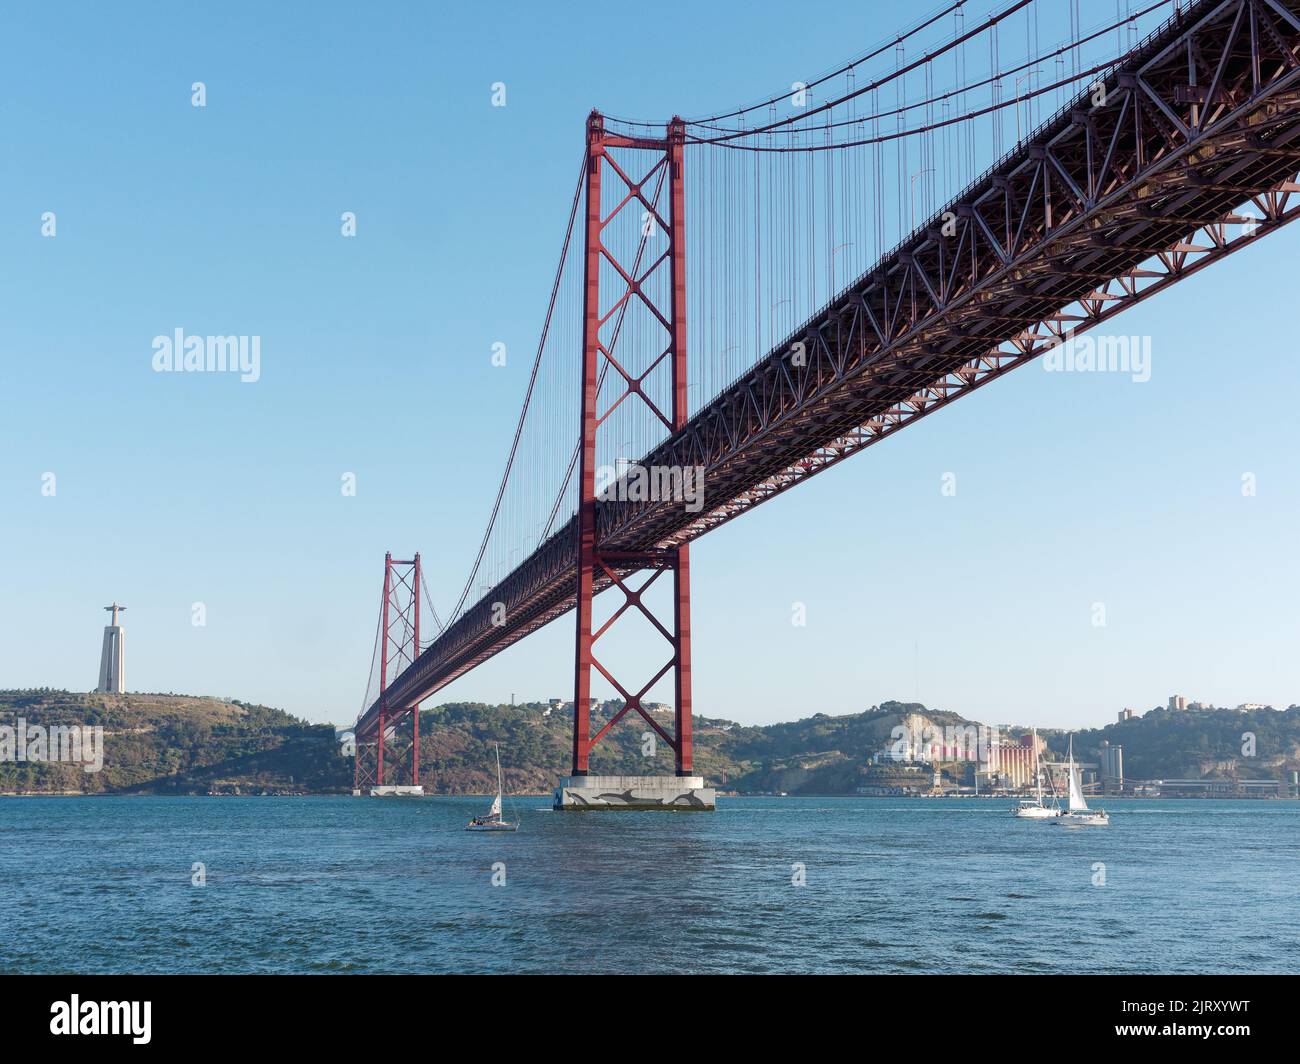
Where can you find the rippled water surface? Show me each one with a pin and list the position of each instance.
(353, 884)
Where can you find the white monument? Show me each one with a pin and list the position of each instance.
(110, 661)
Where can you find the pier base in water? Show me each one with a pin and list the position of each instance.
(670, 793)
(396, 792)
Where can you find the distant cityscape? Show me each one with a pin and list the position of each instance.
(1008, 766)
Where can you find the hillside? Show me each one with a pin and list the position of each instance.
(175, 744)
(1192, 743)
(817, 755)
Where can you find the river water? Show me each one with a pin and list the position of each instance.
(762, 885)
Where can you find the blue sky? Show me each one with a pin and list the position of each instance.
(176, 489)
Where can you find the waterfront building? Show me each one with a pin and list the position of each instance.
(1013, 762)
(1112, 768)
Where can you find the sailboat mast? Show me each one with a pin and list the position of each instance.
(1038, 768)
(498, 752)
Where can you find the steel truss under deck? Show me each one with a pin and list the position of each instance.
(1103, 206)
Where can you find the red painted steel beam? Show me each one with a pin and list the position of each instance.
(592, 565)
(681, 411)
(586, 539)
(415, 639)
(383, 668)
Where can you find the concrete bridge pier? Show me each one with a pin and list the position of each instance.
(664, 793)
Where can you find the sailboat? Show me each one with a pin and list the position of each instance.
(1033, 808)
(492, 820)
(1079, 815)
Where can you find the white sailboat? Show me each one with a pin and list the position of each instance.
(493, 821)
(1078, 814)
(1034, 808)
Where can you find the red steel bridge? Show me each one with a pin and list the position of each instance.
(746, 299)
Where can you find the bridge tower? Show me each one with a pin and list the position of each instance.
(387, 760)
(635, 166)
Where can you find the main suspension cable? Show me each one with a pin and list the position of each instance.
(900, 72)
(916, 130)
(961, 90)
(604, 369)
(532, 381)
(893, 42)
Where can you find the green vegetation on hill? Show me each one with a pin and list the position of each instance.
(1194, 743)
(818, 755)
(172, 744)
(175, 744)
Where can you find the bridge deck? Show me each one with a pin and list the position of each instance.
(1098, 209)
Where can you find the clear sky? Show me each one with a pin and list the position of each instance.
(176, 489)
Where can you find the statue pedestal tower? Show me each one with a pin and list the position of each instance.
(110, 660)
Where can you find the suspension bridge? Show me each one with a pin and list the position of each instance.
(743, 300)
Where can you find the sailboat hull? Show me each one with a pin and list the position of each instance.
(1033, 808)
(1036, 812)
(503, 826)
(1083, 820)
